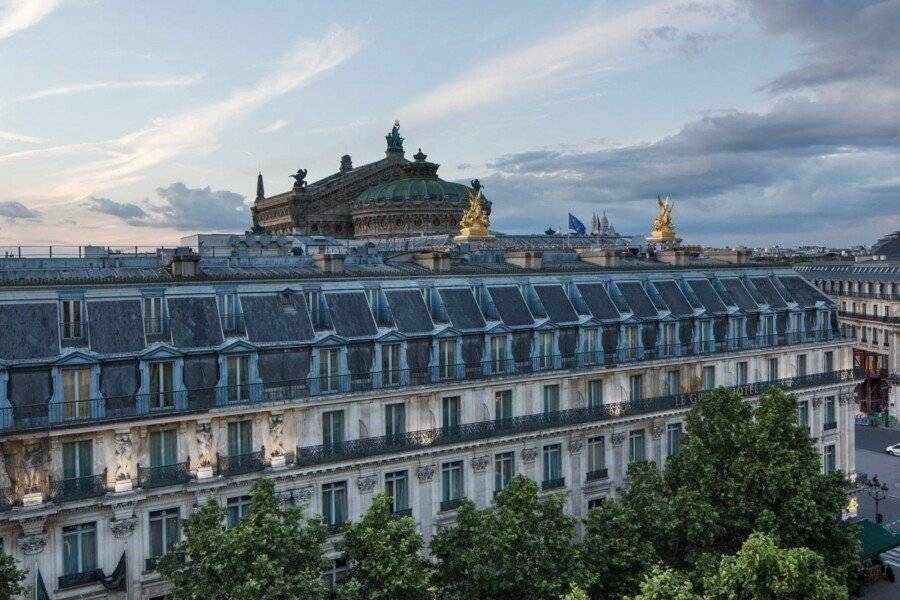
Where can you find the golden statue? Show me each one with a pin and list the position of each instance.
(475, 222)
(663, 228)
(852, 505)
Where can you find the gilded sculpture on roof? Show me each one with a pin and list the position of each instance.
(663, 227)
(475, 222)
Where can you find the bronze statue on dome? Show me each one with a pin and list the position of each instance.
(394, 139)
(299, 179)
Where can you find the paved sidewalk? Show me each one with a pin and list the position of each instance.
(882, 590)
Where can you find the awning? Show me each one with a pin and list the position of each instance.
(874, 539)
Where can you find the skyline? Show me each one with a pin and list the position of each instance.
(118, 123)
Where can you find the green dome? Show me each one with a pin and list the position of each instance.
(414, 190)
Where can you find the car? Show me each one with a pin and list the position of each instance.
(894, 449)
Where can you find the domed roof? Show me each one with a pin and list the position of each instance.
(414, 190)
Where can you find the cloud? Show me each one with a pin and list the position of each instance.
(180, 207)
(13, 211)
(19, 15)
(597, 41)
(78, 88)
(8, 136)
(278, 124)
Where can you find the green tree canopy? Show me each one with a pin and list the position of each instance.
(383, 553)
(11, 577)
(665, 584)
(273, 553)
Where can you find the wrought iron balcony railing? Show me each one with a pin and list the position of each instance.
(239, 464)
(596, 475)
(163, 475)
(62, 414)
(403, 512)
(76, 579)
(443, 436)
(337, 528)
(830, 425)
(868, 295)
(553, 484)
(78, 488)
(452, 504)
(868, 317)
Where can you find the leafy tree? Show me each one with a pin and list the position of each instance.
(615, 551)
(521, 549)
(576, 594)
(666, 584)
(11, 577)
(272, 554)
(383, 551)
(763, 571)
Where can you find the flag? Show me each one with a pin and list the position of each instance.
(576, 225)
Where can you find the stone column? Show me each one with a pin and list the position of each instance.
(365, 484)
(427, 507)
(480, 487)
(816, 421)
(529, 460)
(656, 449)
(575, 476)
(617, 466)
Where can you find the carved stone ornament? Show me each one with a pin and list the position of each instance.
(575, 446)
(304, 494)
(617, 439)
(816, 402)
(123, 528)
(656, 431)
(480, 463)
(123, 451)
(529, 455)
(204, 444)
(35, 461)
(276, 434)
(33, 544)
(366, 483)
(425, 473)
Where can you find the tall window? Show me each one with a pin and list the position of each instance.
(595, 393)
(498, 353)
(631, 342)
(545, 340)
(596, 455)
(740, 373)
(329, 369)
(332, 428)
(503, 405)
(78, 459)
(334, 504)
(801, 365)
(551, 398)
(504, 469)
(162, 387)
(829, 361)
(673, 438)
(396, 487)
(240, 437)
(238, 378)
(447, 359)
(79, 548)
(709, 377)
(636, 450)
(163, 448)
(769, 328)
(312, 305)
(165, 531)
(636, 388)
(705, 334)
(552, 463)
(830, 417)
(451, 412)
(803, 414)
(72, 326)
(390, 364)
(668, 339)
(673, 382)
(452, 481)
(591, 345)
(228, 305)
(76, 393)
(773, 369)
(236, 509)
(153, 323)
(394, 419)
(829, 457)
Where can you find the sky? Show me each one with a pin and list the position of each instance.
(134, 123)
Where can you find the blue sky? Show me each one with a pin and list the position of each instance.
(138, 122)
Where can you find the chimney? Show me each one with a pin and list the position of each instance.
(185, 263)
(734, 257)
(677, 258)
(530, 260)
(602, 258)
(433, 261)
(329, 263)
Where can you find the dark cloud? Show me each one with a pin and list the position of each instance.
(14, 211)
(181, 207)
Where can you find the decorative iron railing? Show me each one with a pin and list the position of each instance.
(830, 425)
(596, 475)
(403, 512)
(868, 317)
(76, 579)
(78, 488)
(452, 504)
(163, 475)
(239, 464)
(553, 484)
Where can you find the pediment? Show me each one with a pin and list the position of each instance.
(159, 351)
(330, 340)
(237, 347)
(76, 357)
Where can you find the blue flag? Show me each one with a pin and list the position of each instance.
(576, 225)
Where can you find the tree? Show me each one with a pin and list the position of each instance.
(615, 551)
(576, 594)
(272, 553)
(666, 584)
(11, 577)
(521, 549)
(383, 553)
(763, 571)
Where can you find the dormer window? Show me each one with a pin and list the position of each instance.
(591, 345)
(329, 369)
(238, 378)
(498, 353)
(390, 364)
(545, 341)
(162, 387)
(72, 321)
(230, 311)
(153, 323)
(447, 359)
(312, 304)
(76, 393)
(631, 342)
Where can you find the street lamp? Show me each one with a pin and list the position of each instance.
(878, 492)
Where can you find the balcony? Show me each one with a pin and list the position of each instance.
(447, 505)
(403, 512)
(78, 579)
(337, 528)
(164, 475)
(239, 464)
(829, 425)
(467, 432)
(868, 295)
(846, 314)
(78, 488)
(553, 484)
(150, 564)
(596, 475)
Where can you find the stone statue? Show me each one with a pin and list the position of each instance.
(123, 452)
(276, 434)
(5, 483)
(35, 467)
(476, 186)
(475, 222)
(394, 140)
(204, 444)
(299, 179)
(663, 228)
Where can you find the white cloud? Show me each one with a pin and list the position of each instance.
(18, 15)
(278, 124)
(9, 136)
(597, 41)
(77, 88)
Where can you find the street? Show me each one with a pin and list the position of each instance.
(871, 459)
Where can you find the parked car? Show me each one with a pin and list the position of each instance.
(894, 449)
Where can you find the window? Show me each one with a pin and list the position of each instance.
(796, 322)
(803, 414)
(801, 365)
(636, 388)
(162, 387)
(504, 469)
(830, 419)
(332, 428)
(498, 353)
(79, 548)
(740, 374)
(545, 341)
(503, 405)
(236, 509)
(552, 463)
(451, 413)
(709, 377)
(596, 456)
(769, 328)
(551, 398)
(452, 481)
(228, 306)
(336, 572)
(334, 504)
(595, 393)
(78, 459)
(153, 322)
(673, 382)
(447, 359)
(668, 339)
(312, 304)
(72, 319)
(165, 531)
(705, 334)
(390, 364)
(163, 448)
(394, 419)
(829, 459)
(329, 369)
(238, 378)
(673, 438)
(773, 369)
(591, 345)
(396, 487)
(829, 361)
(240, 437)
(636, 446)
(76, 393)
(596, 503)
(874, 335)
(631, 341)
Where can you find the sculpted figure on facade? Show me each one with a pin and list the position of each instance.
(276, 434)
(204, 444)
(34, 468)
(124, 456)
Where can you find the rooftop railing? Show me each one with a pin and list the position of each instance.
(867, 295)
(868, 317)
(165, 403)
